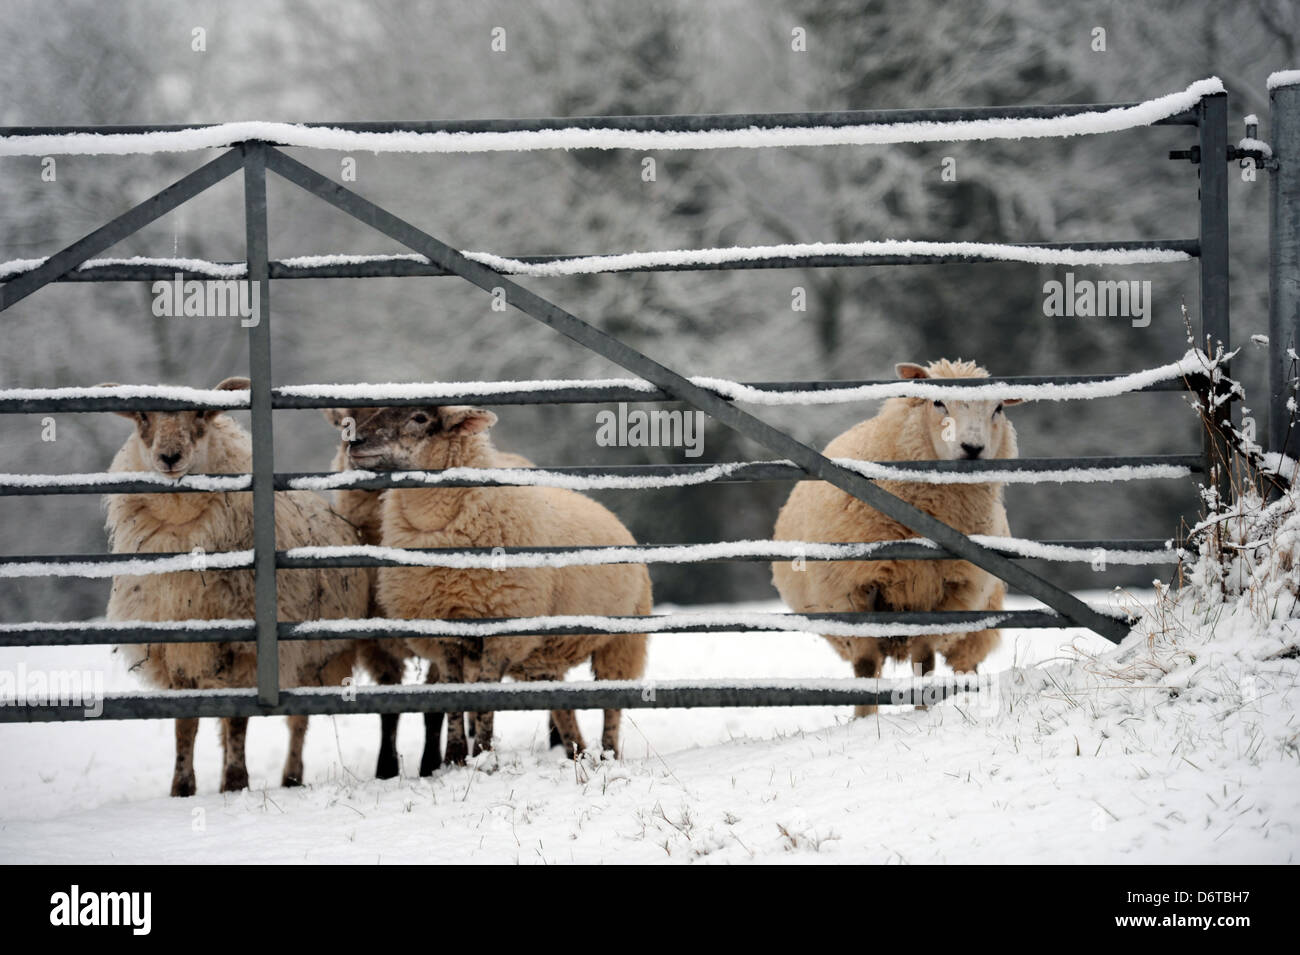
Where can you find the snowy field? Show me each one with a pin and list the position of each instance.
(1062, 764)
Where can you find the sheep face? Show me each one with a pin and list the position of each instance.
(961, 429)
(174, 443)
(420, 438)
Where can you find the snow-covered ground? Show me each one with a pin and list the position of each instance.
(1068, 761)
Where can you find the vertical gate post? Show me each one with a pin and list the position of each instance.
(1283, 267)
(1212, 116)
(259, 373)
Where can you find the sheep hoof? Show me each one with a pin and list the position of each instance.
(429, 763)
(234, 779)
(457, 753)
(289, 781)
(609, 755)
(183, 786)
(387, 767)
(556, 738)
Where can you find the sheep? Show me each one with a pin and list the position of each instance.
(174, 444)
(905, 429)
(434, 438)
(385, 660)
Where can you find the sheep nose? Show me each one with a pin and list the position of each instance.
(169, 459)
(971, 450)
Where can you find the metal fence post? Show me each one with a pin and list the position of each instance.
(259, 368)
(1212, 113)
(1283, 267)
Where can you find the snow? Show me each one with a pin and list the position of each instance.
(722, 550)
(595, 623)
(107, 479)
(111, 625)
(1256, 145)
(582, 556)
(1191, 363)
(217, 560)
(627, 261)
(1090, 475)
(1283, 78)
(541, 477)
(1088, 123)
(524, 477)
(435, 390)
(215, 270)
(1057, 760)
(1251, 120)
(198, 396)
(994, 251)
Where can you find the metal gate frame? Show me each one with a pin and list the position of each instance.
(256, 157)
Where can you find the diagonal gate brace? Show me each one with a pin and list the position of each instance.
(813, 462)
(113, 232)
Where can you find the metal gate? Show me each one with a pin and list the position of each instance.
(254, 157)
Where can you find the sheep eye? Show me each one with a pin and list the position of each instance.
(420, 418)
(997, 411)
(940, 405)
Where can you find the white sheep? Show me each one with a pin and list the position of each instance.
(905, 429)
(175, 444)
(385, 660)
(435, 438)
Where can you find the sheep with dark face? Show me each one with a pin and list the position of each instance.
(175, 444)
(435, 438)
(383, 660)
(906, 429)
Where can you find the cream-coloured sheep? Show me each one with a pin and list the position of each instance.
(905, 429)
(210, 442)
(385, 660)
(435, 438)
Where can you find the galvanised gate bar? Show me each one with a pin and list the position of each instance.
(1207, 115)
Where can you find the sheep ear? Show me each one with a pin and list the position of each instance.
(907, 369)
(132, 415)
(465, 420)
(229, 384)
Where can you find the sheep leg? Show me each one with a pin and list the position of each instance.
(622, 658)
(432, 755)
(293, 764)
(386, 766)
(969, 650)
(566, 721)
(234, 773)
(386, 669)
(555, 739)
(866, 666)
(183, 783)
(484, 723)
(457, 746)
(923, 657)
